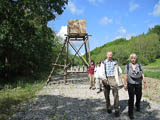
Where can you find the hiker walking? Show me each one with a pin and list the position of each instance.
(133, 83)
(111, 83)
(91, 74)
(99, 76)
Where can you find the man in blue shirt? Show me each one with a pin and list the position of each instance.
(111, 84)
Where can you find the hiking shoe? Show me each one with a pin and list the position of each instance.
(117, 114)
(109, 111)
(93, 88)
(138, 109)
(98, 92)
(131, 117)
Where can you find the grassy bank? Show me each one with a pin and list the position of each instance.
(152, 74)
(152, 71)
(152, 91)
(12, 95)
(155, 63)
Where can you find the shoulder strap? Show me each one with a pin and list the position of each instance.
(140, 68)
(127, 68)
(105, 67)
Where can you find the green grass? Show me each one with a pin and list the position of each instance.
(122, 67)
(153, 70)
(152, 74)
(16, 93)
(156, 63)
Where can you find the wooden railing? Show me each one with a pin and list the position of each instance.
(75, 69)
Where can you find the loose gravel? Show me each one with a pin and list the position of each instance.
(75, 101)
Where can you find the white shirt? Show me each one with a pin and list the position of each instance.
(100, 71)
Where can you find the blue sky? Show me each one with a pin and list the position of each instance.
(110, 19)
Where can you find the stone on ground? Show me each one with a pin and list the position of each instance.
(75, 101)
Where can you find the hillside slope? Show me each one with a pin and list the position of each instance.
(146, 46)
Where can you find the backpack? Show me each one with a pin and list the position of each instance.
(133, 76)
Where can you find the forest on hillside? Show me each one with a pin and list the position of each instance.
(146, 46)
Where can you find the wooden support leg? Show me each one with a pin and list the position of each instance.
(86, 51)
(53, 68)
(79, 53)
(66, 61)
(89, 56)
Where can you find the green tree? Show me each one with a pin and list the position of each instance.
(155, 29)
(146, 46)
(27, 45)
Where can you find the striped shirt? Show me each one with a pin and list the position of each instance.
(109, 67)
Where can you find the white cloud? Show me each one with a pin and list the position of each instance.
(105, 20)
(128, 36)
(62, 32)
(95, 41)
(74, 9)
(133, 6)
(156, 10)
(122, 30)
(95, 2)
(118, 37)
(152, 25)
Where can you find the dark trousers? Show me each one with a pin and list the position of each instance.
(134, 89)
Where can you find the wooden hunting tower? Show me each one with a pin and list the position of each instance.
(76, 31)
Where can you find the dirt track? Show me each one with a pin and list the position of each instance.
(76, 102)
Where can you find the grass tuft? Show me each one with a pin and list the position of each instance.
(152, 74)
(22, 90)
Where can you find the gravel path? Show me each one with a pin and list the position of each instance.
(76, 102)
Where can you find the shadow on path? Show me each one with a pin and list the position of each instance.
(59, 105)
(51, 107)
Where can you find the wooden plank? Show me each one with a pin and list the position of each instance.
(58, 65)
(88, 50)
(79, 54)
(78, 49)
(86, 53)
(77, 72)
(66, 61)
(76, 27)
(53, 68)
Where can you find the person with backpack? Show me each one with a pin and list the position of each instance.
(133, 83)
(111, 71)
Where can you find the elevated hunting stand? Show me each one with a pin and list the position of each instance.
(76, 31)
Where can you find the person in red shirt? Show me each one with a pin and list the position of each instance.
(91, 74)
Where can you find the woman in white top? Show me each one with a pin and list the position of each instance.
(99, 76)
